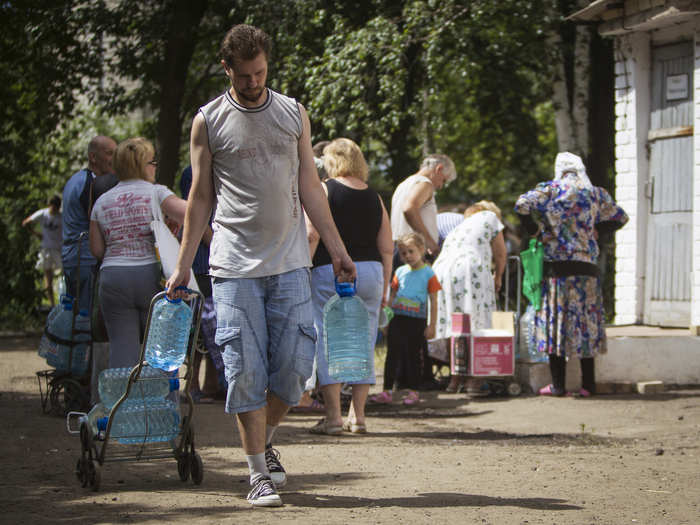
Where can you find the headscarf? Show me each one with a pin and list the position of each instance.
(567, 163)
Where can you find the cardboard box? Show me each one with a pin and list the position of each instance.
(492, 351)
(461, 324)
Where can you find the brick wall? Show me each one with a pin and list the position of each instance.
(695, 288)
(632, 70)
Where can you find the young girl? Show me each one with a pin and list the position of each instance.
(412, 285)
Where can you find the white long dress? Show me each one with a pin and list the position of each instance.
(465, 271)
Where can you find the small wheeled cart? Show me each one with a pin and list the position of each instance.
(66, 387)
(135, 423)
(489, 354)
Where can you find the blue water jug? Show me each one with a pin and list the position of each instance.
(138, 421)
(152, 383)
(168, 333)
(348, 345)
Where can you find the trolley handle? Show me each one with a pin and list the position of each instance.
(81, 416)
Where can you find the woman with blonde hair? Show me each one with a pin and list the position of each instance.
(363, 224)
(121, 237)
(470, 269)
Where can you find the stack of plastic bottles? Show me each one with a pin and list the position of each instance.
(527, 347)
(60, 337)
(146, 415)
(347, 341)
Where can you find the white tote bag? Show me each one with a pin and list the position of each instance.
(167, 245)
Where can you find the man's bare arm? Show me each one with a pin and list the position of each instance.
(316, 207)
(420, 194)
(199, 203)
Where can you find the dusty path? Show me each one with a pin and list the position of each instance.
(606, 460)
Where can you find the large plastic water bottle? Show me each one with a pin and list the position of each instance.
(168, 334)
(347, 341)
(152, 383)
(46, 344)
(59, 355)
(137, 421)
(527, 347)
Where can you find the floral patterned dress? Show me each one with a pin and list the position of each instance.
(465, 271)
(571, 320)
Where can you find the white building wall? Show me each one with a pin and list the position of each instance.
(695, 287)
(632, 107)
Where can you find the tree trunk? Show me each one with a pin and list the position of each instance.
(180, 44)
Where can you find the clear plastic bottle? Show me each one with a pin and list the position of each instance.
(152, 383)
(138, 422)
(347, 341)
(168, 334)
(46, 344)
(527, 347)
(97, 420)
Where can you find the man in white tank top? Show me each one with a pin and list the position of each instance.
(413, 207)
(252, 158)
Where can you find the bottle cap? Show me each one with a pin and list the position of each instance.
(345, 289)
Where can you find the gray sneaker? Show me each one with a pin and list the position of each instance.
(277, 472)
(263, 494)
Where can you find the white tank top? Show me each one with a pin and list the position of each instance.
(258, 223)
(428, 212)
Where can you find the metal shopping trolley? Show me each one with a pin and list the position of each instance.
(66, 387)
(97, 433)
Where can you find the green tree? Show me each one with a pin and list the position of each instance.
(45, 68)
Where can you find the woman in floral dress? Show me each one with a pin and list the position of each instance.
(567, 214)
(470, 269)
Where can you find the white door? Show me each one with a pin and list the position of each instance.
(669, 189)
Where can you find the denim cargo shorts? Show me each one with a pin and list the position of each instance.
(265, 326)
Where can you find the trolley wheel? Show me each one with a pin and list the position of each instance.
(197, 468)
(94, 474)
(514, 389)
(81, 472)
(183, 466)
(65, 395)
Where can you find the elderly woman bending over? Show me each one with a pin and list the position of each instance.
(470, 269)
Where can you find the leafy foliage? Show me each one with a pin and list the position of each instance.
(401, 78)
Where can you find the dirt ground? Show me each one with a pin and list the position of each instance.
(448, 459)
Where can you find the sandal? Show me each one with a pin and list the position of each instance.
(382, 398)
(355, 428)
(324, 429)
(549, 390)
(315, 406)
(411, 398)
